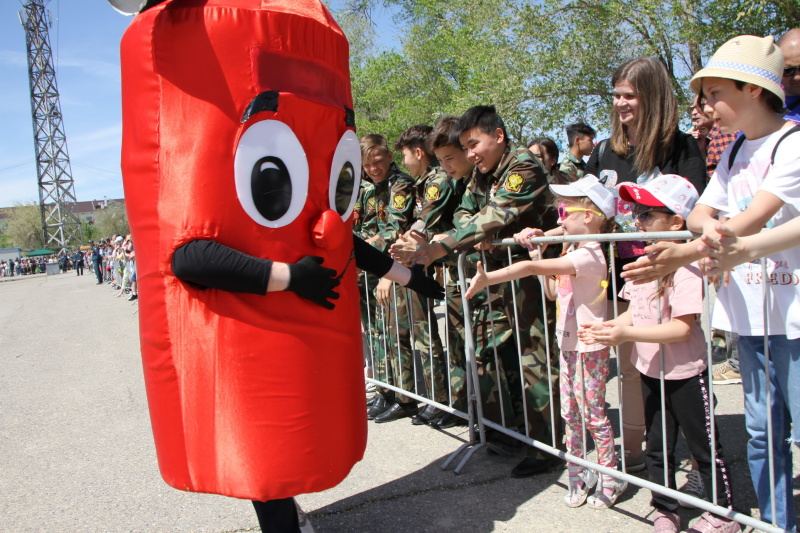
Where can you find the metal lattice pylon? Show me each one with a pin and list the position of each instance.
(60, 226)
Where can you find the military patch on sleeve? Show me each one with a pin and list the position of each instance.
(399, 202)
(432, 192)
(514, 183)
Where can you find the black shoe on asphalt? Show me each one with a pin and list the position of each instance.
(530, 466)
(372, 401)
(396, 412)
(133, 297)
(427, 416)
(378, 407)
(449, 421)
(501, 444)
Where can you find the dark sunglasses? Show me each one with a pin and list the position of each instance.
(643, 215)
(790, 71)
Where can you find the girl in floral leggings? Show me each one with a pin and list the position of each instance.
(578, 281)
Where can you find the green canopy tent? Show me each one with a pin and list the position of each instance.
(40, 251)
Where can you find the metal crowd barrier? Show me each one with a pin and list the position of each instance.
(478, 424)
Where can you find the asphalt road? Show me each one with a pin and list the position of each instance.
(76, 452)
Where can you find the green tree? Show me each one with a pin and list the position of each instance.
(89, 231)
(24, 226)
(454, 55)
(112, 220)
(543, 64)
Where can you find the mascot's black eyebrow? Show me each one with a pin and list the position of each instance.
(268, 101)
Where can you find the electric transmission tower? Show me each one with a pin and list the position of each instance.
(60, 227)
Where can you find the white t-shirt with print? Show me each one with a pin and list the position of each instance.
(739, 306)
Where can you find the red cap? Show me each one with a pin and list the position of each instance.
(631, 192)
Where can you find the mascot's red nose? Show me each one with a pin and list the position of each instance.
(329, 231)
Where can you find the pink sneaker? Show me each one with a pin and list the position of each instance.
(665, 522)
(708, 523)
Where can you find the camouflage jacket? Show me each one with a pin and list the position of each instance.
(503, 202)
(385, 208)
(573, 166)
(436, 200)
(359, 212)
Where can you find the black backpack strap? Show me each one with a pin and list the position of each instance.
(792, 130)
(736, 145)
(601, 150)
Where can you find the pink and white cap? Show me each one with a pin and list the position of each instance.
(674, 192)
(590, 187)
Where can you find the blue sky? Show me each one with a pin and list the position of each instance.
(85, 41)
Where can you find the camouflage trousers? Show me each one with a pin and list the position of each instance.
(398, 366)
(428, 343)
(375, 351)
(516, 389)
(454, 336)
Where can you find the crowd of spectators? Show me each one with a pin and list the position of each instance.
(111, 260)
(22, 267)
(469, 184)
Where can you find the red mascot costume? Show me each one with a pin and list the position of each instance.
(239, 151)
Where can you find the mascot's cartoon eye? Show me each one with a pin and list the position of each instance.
(271, 173)
(345, 174)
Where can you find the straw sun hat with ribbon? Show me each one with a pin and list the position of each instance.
(746, 58)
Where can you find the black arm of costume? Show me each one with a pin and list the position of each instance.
(376, 262)
(370, 258)
(209, 264)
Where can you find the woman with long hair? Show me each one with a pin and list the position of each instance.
(645, 142)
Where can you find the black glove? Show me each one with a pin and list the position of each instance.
(424, 285)
(310, 280)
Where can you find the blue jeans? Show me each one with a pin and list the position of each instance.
(785, 389)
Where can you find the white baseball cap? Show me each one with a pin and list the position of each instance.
(590, 187)
(672, 191)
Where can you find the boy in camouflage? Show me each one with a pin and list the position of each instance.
(379, 228)
(505, 194)
(580, 137)
(444, 144)
(433, 214)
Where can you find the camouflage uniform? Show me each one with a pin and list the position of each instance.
(365, 225)
(498, 205)
(573, 166)
(455, 319)
(388, 208)
(436, 201)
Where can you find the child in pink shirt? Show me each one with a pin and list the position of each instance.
(578, 282)
(666, 312)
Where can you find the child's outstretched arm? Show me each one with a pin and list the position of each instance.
(665, 257)
(730, 250)
(551, 267)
